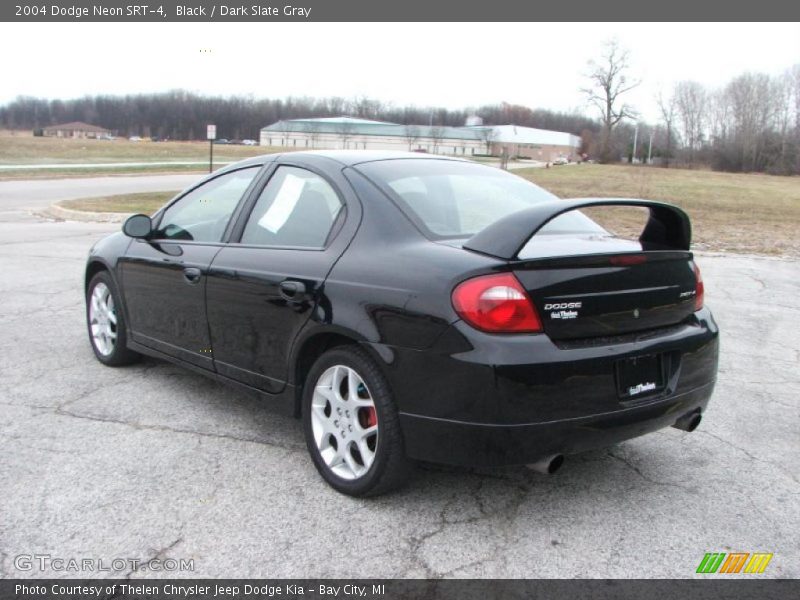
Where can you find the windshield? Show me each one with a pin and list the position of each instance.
(455, 199)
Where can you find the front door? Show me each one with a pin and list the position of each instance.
(164, 277)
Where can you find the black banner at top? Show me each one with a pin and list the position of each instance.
(404, 10)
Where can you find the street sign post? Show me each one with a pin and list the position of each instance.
(211, 135)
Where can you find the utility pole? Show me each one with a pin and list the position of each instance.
(635, 138)
(650, 149)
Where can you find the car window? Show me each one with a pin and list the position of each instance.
(202, 214)
(454, 199)
(296, 208)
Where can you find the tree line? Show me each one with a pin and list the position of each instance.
(750, 124)
(182, 115)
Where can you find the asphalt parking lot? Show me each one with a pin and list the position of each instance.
(155, 461)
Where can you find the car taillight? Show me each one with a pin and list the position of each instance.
(699, 289)
(496, 304)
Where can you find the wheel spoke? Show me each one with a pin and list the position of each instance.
(351, 462)
(326, 392)
(368, 431)
(367, 455)
(353, 381)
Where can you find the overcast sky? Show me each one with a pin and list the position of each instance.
(451, 65)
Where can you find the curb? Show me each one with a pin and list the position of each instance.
(57, 211)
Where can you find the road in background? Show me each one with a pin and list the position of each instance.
(156, 461)
(18, 196)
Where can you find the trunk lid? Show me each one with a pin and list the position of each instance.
(593, 285)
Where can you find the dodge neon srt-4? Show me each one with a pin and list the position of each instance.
(410, 307)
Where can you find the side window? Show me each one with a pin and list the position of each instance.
(202, 214)
(296, 208)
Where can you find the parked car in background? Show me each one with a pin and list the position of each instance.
(561, 160)
(135, 138)
(411, 307)
(249, 143)
(222, 141)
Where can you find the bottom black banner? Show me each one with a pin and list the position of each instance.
(374, 589)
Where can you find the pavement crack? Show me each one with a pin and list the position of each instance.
(158, 554)
(164, 428)
(639, 472)
(750, 455)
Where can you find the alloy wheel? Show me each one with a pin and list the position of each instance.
(344, 422)
(103, 319)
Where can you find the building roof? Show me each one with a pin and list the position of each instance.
(515, 134)
(79, 126)
(507, 134)
(352, 126)
(343, 119)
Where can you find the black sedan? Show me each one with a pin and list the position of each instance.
(414, 308)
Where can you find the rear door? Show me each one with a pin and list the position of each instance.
(164, 277)
(265, 285)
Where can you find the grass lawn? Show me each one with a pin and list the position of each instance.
(749, 213)
(67, 173)
(147, 203)
(21, 148)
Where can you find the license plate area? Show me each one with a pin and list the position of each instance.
(640, 376)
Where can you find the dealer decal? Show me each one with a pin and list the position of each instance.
(563, 310)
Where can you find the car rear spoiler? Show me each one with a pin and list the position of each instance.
(667, 228)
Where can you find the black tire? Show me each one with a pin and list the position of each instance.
(390, 467)
(121, 354)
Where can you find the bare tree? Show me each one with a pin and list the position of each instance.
(487, 136)
(412, 135)
(668, 108)
(691, 99)
(365, 107)
(313, 129)
(609, 80)
(437, 135)
(345, 130)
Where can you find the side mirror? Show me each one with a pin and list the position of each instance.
(138, 226)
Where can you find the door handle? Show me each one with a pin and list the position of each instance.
(292, 291)
(192, 275)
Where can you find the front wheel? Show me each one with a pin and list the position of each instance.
(106, 322)
(351, 424)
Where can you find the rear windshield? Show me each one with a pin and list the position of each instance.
(454, 199)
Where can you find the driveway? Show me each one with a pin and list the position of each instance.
(155, 461)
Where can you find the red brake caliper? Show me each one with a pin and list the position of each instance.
(369, 417)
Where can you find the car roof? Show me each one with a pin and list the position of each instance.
(348, 157)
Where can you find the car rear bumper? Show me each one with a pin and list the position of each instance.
(474, 399)
(478, 444)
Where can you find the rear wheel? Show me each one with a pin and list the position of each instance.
(106, 322)
(351, 425)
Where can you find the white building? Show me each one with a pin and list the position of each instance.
(363, 134)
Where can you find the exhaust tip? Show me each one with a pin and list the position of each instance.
(689, 422)
(547, 466)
